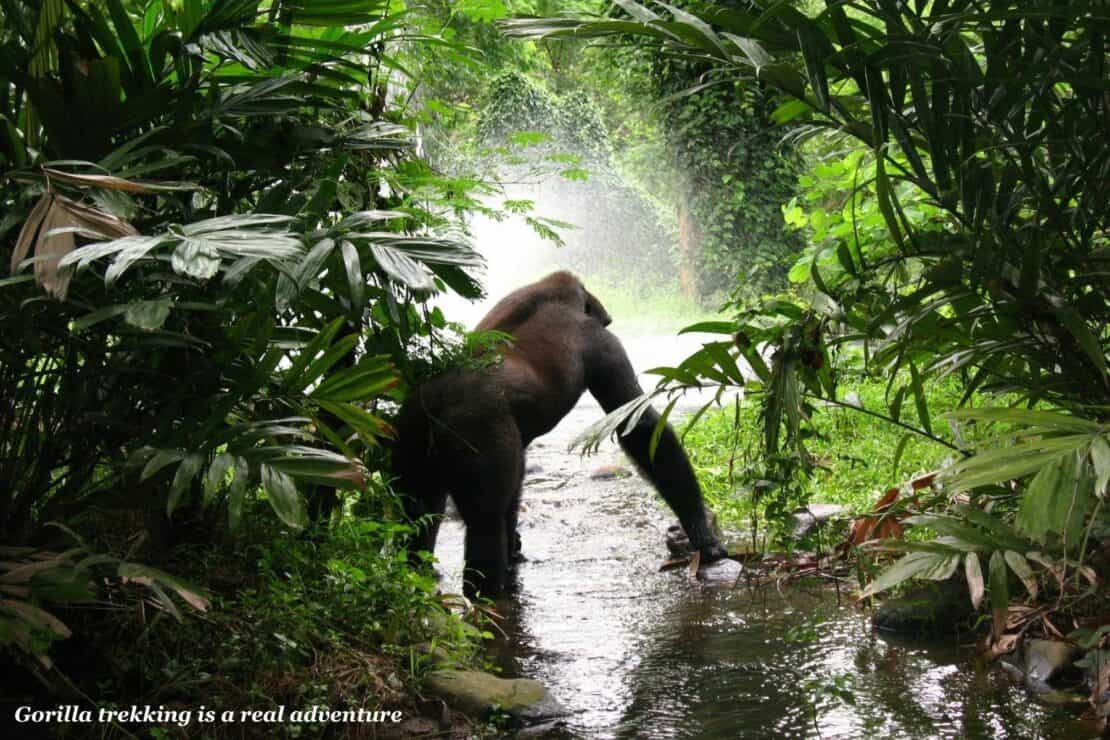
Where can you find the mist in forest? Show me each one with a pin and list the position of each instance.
(608, 235)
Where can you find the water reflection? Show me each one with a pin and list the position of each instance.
(636, 653)
(695, 663)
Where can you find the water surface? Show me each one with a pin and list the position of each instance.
(636, 653)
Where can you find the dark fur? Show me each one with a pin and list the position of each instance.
(464, 433)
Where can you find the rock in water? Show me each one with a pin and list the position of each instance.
(932, 608)
(720, 572)
(477, 694)
(679, 544)
(609, 472)
(1046, 660)
(808, 519)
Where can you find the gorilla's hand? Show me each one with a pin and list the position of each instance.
(712, 551)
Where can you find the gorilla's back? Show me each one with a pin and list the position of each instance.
(539, 379)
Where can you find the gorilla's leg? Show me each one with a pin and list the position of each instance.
(516, 554)
(487, 557)
(612, 381)
(484, 498)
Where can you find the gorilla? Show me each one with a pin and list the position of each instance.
(464, 433)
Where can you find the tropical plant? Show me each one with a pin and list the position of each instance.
(31, 578)
(986, 162)
(221, 244)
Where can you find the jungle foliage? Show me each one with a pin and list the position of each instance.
(734, 169)
(220, 245)
(656, 181)
(966, 239)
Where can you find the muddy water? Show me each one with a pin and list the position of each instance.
(635, 653)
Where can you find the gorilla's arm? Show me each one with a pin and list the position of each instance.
(612, 381)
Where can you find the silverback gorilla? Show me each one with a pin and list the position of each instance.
(464, 433)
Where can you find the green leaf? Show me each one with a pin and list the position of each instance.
(63, 584)
(356, 283)
(1086, 339)
(709, 327)
(401, 267)
(310, 352)
(1100, 461)
(366, 425)
(919, 399)
(953, 527)
(237, 492)
(1020, 566)
(284, 497)
(1000, 593)
(1013, 462)
(930, 565)
(371, 377)
(159, 460)
(321, 365)
(182, 480)
(216, 475)
(147, 315)
(194, 596)
(195, 258)
(660, 427)
(1056, 502)
(1026, 417)
(1001, 533)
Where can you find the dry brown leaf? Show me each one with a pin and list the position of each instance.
(356, 474)
(672, 564)
(30, 230)
(108, 182)
(51, 247)
(881, 524)
(695, 563)
(1000, 646)
(48, 234)
(96, 223)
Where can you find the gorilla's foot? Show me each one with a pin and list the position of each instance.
(713, 551)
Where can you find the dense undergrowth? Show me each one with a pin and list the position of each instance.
(854, 454)
(335, 618)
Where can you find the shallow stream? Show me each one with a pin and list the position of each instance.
(636, 653)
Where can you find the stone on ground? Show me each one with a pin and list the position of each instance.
(808, 519)
(477, 694)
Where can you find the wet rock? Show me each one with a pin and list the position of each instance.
(930, 609)
(720, 572)
(678, 544)
(1046, 660)
(609, 472)
(808, 519)
(477, 694)
(533, 468)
